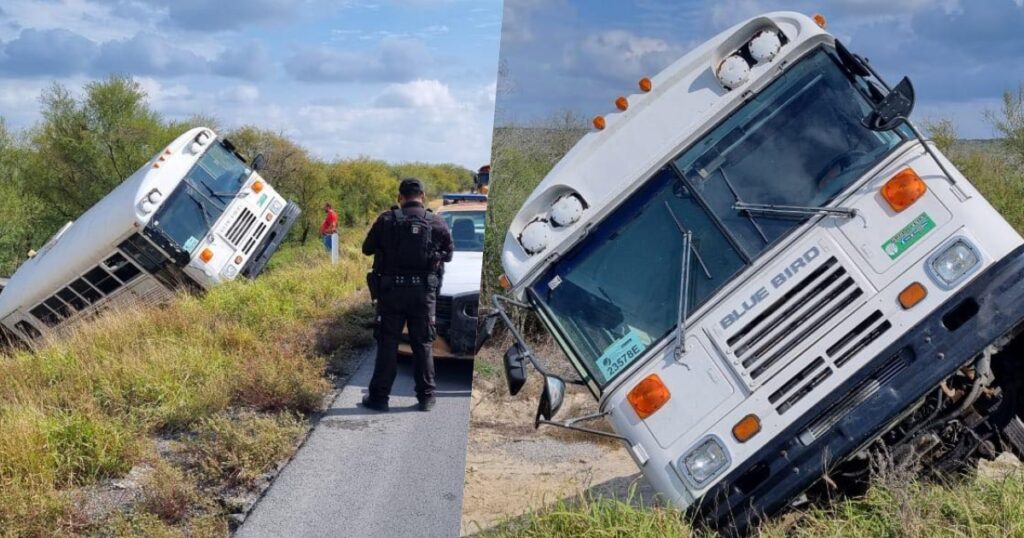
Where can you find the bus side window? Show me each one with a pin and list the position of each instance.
(28, 329)
(86, 291)
(122, 268)
(72, 299)
(45, 315)
(102, 281)
(58, 307)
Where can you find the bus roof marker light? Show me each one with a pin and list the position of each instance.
(535, 236)
(622, 103)
(733, 71)
(819, 19)
(646, 85)
(599, 123)
(765, 46)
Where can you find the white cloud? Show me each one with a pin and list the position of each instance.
(416, 121)
(619, 54)
(244, 94)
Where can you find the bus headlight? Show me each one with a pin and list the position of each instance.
(229, 271)
(705, 461)
(276, 206)
(733, 71)
(567, 210)
(535, 236)
(954, 263)
(765, 46)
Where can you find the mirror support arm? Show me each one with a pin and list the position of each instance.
(497, 300)
(572, 424)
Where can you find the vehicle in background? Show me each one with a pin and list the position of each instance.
(482, 180)
(459, 299)
(766, 276)
(197, 214)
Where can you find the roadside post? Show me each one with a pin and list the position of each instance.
(334, 248)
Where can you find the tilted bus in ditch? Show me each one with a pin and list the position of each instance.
(197, 214)
(764, 273)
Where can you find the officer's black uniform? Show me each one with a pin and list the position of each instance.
(405, 299)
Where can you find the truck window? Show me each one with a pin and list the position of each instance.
(86, 291)
(101, 280)
(798, 142)
(610, 291)
(122, 268)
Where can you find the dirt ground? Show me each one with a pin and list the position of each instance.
(513, 469)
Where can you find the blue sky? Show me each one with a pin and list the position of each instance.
(580, 54)
(393, 79)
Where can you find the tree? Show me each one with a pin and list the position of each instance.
(1010, 121)
(83, 148)
(19, 229)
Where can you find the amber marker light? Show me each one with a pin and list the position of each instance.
(746, 428)
(599, 122)
(912, 294)
(819, 19)
(648, 396)
(903, 189)
(622, 103)
(646, 85)
(257, 187)
(505, 282)
(238, 260)
(206, 255)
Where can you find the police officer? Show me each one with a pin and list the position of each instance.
(410, 245)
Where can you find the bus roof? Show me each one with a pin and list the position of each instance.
(685, 101)
(83, 244)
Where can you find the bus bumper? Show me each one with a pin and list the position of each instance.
(272, 241)
(991, 306)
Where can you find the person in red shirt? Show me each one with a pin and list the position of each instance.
(329, 227)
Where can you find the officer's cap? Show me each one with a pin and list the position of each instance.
(410, 186)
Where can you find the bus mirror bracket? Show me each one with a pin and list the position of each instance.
(520, 353)
(572, 424)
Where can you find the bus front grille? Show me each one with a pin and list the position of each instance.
(766, 343)
(241, 227)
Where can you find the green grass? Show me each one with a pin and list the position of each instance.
(228, 374)
(984, 508)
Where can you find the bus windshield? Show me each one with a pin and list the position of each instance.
(193, 208)
(467, 229)
(798, 142)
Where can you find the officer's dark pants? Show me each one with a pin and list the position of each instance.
(413, 305)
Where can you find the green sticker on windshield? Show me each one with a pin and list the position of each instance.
(910, 234)
(621, 353)
(191, 244)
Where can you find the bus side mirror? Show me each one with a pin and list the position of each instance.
(515, 368)
(259, 162)
(551, 399)
(893, 109)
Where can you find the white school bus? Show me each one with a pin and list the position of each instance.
(765, 274)
(197, 214)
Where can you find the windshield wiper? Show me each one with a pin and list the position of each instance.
(684, 231)
(736, 197)
(794, 210)
(220, 195)
(684, 284)
(202, 208)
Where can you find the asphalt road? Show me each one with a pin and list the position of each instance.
(368, 474)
